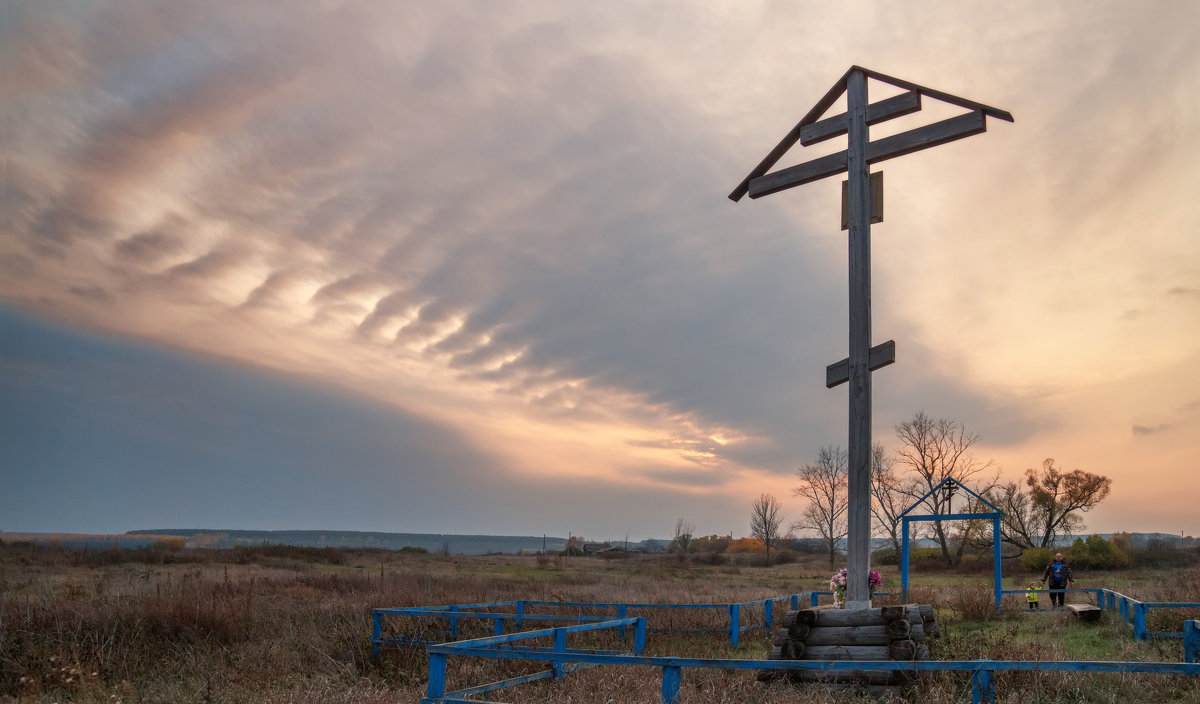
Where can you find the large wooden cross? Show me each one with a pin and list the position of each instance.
(855, 161)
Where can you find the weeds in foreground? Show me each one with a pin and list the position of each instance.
(291, 626)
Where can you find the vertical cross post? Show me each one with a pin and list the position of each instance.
(856, 161)
(858, 553)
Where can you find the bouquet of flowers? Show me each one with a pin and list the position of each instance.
(838, 584)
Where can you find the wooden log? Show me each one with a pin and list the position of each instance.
(933, 629)
(781, 637)
(900, 628)
(903, 650)
(850, 635)
(875, 677)
(1085, 612)
(922, 652)
(927, 612)
(846, 652)
(798, 631)
(859, 617)
(805, 616)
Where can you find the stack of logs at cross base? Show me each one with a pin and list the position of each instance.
(881, 633)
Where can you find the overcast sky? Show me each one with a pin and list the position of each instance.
(469, 267)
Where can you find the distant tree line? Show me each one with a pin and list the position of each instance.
(933, 461)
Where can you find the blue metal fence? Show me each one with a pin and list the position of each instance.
(560, 657)
(563, 660)
(740, 617)
(1134, 612)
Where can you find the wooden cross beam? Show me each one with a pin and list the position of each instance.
(855, 161)
(880, 357)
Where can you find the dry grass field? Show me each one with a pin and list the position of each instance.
(280, 624)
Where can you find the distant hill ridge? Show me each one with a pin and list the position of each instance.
(433, 542)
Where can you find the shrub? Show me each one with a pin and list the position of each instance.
(414, 550)
(1098, 554)
(972, 603)
(1034, 560)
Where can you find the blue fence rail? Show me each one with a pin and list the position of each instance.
(1129, 610)
(563, 660)
(1134, 612)
(740, 617)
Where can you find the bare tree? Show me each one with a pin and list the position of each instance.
(1052, 506)
(890, 495)
(937, 449)
(684, 538)
(823, 485)
(765, 519)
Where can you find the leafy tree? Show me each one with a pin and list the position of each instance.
(684, 539)
(711, 543)
(936, 449)
(1097, 553)
(765, 519)
(823, 485)
(1051, 506)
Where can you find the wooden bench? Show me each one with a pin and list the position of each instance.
(1085, 612)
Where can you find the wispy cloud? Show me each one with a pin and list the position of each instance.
(509, 222)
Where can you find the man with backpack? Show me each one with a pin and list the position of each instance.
(1058, 574)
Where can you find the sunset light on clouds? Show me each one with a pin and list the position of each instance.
(470, 267)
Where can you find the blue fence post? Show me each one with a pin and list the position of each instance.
(437, 676)
(498, 626)
(1111, 598)
(1139, 620)
(768, 613)
(670, 684)
(520, 613)
(1191, 641)
(1124, 609)
(795, 602)
(981, 687)
(376, 634)
(904, 561)
(1100, 598)
(621, 610)
(734, 627)
(815, 599)
(639, 636)
(560, 645)
(453, 624)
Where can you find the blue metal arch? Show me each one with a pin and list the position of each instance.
(995, 514)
